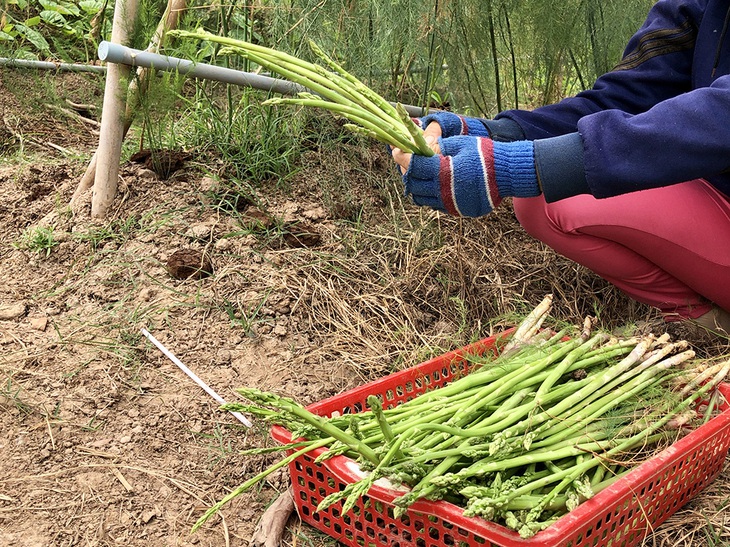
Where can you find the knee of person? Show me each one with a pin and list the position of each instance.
(531, 214)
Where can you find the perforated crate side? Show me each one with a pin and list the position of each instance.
(372, 522)
(619, 516)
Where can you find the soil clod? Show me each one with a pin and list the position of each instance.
(189, 263)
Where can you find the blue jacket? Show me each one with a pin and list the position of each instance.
(662, 116)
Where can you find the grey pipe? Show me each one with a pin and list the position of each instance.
(116, 53)
(48, 65)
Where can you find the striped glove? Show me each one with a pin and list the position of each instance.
(454, 124)
(472, 175)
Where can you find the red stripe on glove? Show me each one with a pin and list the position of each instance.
(486, 150)
(446, 185)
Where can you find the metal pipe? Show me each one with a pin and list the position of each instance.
(48, 65)
(116, 53)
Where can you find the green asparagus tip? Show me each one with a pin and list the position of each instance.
(231, 50)
(314, 47)
(361, 130)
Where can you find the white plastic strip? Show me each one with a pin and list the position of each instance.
(240, 417)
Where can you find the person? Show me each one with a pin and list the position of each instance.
(630, 178)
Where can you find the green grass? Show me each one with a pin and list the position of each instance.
(113, 230)
(246, 316)
(37, 239)
(11, 395)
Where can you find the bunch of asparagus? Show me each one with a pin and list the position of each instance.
(335, 90)
(524, 438)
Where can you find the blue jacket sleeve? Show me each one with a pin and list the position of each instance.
(657, 65)
(655, 120)
(614, 152)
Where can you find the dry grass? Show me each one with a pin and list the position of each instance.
(404, 288)
(703, 522)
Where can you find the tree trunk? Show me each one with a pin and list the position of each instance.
(112, 115)
(137, 86)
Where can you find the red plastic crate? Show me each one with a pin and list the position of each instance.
(622, 515)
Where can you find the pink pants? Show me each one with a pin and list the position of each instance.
(667, 247)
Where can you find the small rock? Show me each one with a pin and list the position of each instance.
(223, 357)
(208, 184)
(299, 235)
(256, 219)
(9, 312)
(100, 443)
(61, 236)
(148, 515)
(279, 330)
(283, 307)
(38, 322)
(147, 174)
(125, 439)
(132, 412)
(199, 231)
(223, 244)
(315, 213)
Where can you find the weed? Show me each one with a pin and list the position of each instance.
(311, 537)
(83, 366)
(94, 424)
(462, 316)
(11, 394)
(219, 444)
(245, 316)
(66, 30)
(38, 239)
(115, 230)
(233, 197)
(255, 143)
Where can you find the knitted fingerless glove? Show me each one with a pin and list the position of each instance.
(472, 175)
(454, 124)
(502, 129)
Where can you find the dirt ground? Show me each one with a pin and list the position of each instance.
(103, 440)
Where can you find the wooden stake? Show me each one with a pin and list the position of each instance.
(112, 115)
(169, 20)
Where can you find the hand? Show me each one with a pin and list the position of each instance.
(455, 124)
(471, 175)
(432, 133)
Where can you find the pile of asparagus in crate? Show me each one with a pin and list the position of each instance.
(523, 438)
